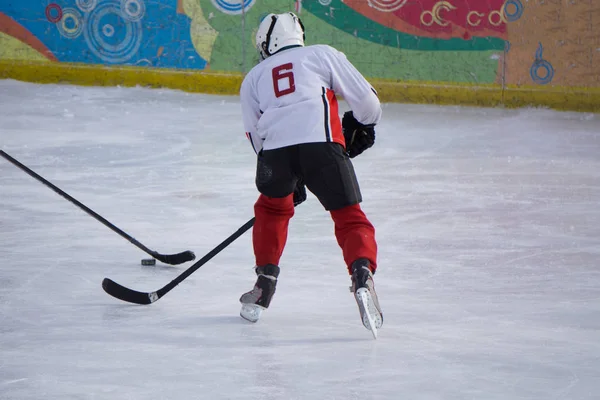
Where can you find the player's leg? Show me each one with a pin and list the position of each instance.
(329, 174)
(273, 210)
(355, 235)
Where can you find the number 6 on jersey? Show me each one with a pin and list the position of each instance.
(283, 72)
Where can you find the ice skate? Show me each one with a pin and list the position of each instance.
(363, 288)
(259, 298)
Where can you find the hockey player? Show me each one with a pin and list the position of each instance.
(290, 115)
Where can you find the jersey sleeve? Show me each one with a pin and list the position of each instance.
(347, 81)
(250, 114)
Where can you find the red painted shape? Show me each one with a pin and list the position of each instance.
(443, 19)
(14, 29)
(59, 13)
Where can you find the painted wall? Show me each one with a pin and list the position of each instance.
(523, 42)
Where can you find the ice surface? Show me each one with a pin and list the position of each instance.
(488, 224)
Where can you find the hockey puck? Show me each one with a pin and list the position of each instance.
(148, 261)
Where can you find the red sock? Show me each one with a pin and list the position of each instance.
(270, 230)
(355, 235)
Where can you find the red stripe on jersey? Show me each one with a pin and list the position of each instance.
(249, 137)
(337, 135)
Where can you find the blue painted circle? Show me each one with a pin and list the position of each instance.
(108, 30)
(232, 6)
(536, 68)
(112, 46)
(71, 23)
(133, 10)
(86, 5)
(511, 17)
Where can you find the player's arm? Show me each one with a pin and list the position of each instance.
(359, 124)
(348, 82)
(250, 114)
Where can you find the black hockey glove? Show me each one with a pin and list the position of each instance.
(358, 137)
(299, 193)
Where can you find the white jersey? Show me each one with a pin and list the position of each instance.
(289, 98)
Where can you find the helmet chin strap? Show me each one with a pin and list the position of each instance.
(264, 53)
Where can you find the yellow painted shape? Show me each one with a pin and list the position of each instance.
(98, 75)
(203, 35)
(583, 99)
(488, 95)
(14, 49)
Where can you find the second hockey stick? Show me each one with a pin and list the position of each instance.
(133, 296)
(173, 259)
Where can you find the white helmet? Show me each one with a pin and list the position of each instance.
(277, 32)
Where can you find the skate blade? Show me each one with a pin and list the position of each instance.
(251, 312)
(370, 315)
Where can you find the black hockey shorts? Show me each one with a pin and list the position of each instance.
(324, 168)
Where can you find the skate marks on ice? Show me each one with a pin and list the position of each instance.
(487, 222)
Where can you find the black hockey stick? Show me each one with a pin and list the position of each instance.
(133, 296)
(172, 259)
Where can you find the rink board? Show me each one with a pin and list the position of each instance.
(485, 95)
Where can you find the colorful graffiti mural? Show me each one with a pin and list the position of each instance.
(132, 32)
(543, 42)
(420, 25)
(377, 50)
(555, 43)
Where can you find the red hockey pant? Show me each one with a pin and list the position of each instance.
(353, 231)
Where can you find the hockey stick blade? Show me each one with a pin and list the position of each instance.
(122, 293)
(133, 296)
(173, 259)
